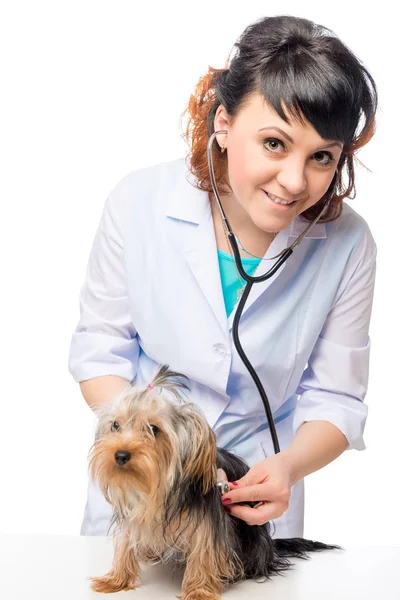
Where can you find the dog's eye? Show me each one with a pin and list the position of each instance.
(115, 426)
(155, 429)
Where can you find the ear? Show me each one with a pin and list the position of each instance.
(201, 464)
(103, 422)
(222, 122)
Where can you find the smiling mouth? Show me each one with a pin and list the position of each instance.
(279, 201)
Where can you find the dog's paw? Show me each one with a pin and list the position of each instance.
(110, 584)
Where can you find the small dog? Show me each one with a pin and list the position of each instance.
(155, 460)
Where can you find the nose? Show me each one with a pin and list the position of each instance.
(292, 178)
(122, 457)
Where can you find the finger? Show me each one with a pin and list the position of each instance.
(270, 490)
(256, 516)
(255, 475)
(233, 485)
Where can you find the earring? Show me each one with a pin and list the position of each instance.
(223, 149)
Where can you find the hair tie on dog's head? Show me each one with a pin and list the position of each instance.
(150, 386)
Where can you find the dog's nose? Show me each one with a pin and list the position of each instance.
(122, 457)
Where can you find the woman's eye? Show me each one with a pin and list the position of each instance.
(155, 430)
(278, 143)
(329, 156)
(115, 426)
(273, 141)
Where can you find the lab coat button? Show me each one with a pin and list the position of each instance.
(220, 349)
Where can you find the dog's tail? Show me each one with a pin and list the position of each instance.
(299, 547)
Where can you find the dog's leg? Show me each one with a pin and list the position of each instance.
(125, 572)
(206, 568)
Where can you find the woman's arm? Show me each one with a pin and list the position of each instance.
(104, 348)
(334, 384)
(316, 444)
(101, 390)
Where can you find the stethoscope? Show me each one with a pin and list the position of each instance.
(282, 257)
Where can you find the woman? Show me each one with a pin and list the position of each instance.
(292, 108)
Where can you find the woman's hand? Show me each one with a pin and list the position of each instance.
(269, 482)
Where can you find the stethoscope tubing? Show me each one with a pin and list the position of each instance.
(282, 257)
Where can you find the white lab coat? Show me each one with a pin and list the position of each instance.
(152, 295)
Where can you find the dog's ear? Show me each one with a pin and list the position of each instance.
(201, 463)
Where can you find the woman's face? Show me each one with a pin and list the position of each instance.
(298, 170)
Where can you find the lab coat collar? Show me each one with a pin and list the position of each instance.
(188, 204)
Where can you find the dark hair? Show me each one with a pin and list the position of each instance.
(306, 66)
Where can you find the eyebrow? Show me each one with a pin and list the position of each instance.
(287, 136)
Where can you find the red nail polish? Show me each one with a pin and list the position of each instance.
(234, 483)
(226, 501)
(227, 509)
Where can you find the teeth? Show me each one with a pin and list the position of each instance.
(278, 200)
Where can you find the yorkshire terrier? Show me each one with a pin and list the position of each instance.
(155, 459)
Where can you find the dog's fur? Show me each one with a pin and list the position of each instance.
(155, 459)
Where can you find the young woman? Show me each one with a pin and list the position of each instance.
(292, 106)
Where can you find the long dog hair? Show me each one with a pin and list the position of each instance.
(155, 459)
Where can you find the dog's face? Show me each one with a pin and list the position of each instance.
(145, 444)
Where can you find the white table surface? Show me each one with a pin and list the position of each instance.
(56, 567)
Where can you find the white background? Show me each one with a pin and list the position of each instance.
(92, 90)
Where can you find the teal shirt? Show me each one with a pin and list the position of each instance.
(230, 277)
